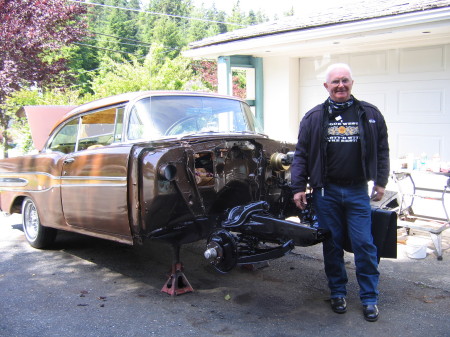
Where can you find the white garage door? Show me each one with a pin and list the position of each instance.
(410, 86)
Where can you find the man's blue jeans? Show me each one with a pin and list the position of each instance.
(345, 210)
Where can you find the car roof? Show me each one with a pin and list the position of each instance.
(130, 96)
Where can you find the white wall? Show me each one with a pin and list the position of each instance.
(281, 100)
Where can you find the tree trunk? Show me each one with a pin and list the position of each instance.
(5, 144)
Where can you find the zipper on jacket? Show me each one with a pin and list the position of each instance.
(362, 138)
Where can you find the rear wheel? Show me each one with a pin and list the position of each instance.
(37, 235)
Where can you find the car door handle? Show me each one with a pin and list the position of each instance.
(69, 160)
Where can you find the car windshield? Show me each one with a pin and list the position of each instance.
(158, 116)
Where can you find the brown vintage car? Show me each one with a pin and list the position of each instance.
(174, 166)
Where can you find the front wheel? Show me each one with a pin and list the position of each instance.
(37, 235)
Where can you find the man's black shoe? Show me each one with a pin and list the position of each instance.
(339, 305)
(370, 312)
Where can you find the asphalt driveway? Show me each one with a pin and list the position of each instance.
(91, 287)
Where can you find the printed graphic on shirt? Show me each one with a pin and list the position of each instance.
(343, 132)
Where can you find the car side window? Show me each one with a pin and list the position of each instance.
(119, 124)
(98, 129)
(135, 125)
(141, 124)
(66, 138)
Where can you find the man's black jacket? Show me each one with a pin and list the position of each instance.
(309, 164)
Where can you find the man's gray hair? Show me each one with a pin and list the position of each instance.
(337, 66)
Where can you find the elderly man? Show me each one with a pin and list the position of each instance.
(342, 145)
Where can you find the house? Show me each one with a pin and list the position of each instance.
(399, 51)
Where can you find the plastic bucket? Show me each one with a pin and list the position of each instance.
(416, 249)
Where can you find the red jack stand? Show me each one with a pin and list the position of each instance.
(177, 283)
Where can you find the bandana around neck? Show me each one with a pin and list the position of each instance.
(336, 107)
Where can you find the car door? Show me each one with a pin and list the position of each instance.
(94, 176)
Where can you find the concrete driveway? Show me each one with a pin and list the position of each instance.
(91, 287)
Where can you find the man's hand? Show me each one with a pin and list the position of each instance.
(377, 193)
(300, 200)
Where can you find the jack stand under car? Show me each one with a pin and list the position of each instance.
(177, 284)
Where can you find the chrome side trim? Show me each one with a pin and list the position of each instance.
(103, 178)
(93, 185)
(29, 173)
(93, 181)
(94, 178)
(13, 182)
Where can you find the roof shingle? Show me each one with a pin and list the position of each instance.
(349, 12)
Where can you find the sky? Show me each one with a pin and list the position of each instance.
(272, 7)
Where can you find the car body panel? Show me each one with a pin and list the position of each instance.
(95, 181)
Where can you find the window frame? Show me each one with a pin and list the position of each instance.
(117, 132)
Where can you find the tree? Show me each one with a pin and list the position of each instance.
(157, 72)
(167, 25)
(32, 33)
(20, 130)
(167, 33)
(237, 16)
(198, 30)
(117, 28)
(290, 12)
(251, 18)
(207, 71)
